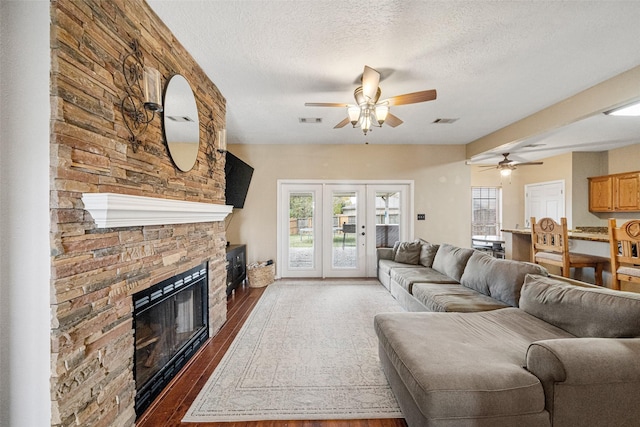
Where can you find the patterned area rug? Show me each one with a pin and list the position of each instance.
(308, 351)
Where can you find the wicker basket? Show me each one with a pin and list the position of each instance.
(261, 275)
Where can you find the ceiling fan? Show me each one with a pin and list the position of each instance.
(506, 165)
(368, 110)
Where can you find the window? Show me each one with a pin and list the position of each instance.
(486, 211)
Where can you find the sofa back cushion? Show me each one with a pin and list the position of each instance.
(451, 260)
(581, 311)
(500, 279)
(428, 253)
(407, 252)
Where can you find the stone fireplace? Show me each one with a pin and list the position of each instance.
(111, 237)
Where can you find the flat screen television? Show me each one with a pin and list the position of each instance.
(238, 175)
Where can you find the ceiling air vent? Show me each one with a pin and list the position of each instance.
(309, 119)
(445, 121)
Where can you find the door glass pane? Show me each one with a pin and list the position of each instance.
(387, 218)
(301, 233)
(344, 248)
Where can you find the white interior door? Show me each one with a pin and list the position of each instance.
(545, 199)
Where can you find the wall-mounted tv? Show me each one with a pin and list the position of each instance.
(238, 175)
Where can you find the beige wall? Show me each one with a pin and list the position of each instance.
(574, 169)
(441, 185)
(625, 159)
(586, 165)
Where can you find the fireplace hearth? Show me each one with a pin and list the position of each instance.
(170, 324)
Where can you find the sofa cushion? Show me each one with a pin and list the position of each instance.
(500, 279)
(466, 365)
(428, 253)
(457, 298)
(406, 277)
(581, 311)
(451, 260)
(386, 265)
(408, 252)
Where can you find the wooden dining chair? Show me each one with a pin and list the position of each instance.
(550, 245)
(625, 248)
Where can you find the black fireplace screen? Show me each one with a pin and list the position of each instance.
(170, 324)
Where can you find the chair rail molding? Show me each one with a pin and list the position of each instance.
(123, 210)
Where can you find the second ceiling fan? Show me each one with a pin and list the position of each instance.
(369, 110)
(506, 165)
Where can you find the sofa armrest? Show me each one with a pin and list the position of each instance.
(384, 253)
(585, 360)
(592, 368)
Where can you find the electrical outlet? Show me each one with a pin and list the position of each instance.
(422, 217)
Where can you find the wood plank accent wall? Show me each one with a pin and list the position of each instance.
(94, 271)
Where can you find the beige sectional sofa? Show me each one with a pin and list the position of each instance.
(558, 355)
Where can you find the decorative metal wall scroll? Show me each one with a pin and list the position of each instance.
(215, 144)
(138, 110)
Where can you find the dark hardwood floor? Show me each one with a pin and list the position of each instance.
(169, 408)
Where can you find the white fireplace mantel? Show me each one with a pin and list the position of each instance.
(123, 210)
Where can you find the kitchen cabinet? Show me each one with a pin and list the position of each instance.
(615, 193)
(627, 192)
(601, 194)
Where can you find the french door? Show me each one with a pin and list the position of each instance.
(345, 231)
(332, 229)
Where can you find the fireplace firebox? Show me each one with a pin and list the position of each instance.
(170, 322)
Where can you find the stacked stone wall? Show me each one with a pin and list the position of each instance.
(95, 271)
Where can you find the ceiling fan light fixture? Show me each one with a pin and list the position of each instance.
(367, 112)
(505, 172)
(354, 114)
(381, 113)
(366, 120)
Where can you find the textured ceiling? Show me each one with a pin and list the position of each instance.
(492, 63)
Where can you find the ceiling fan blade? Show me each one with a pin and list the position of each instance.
(412, 98)
(370, 82)
(529, 163)
(392, 120)
(342, 123)
(324, 104)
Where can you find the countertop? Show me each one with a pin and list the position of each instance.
(578, 235)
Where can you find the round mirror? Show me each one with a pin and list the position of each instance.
(181, 124)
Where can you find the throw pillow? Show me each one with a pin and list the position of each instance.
(500, 279)
(428, 253)
(396, 245)
(451, 260)
(408, 252)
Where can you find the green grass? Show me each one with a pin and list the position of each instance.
(306, 241)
